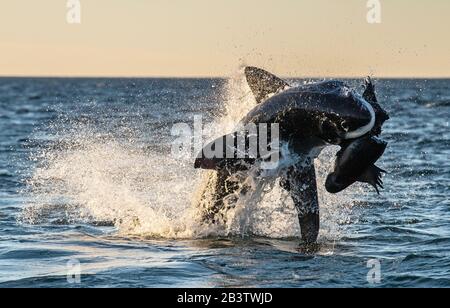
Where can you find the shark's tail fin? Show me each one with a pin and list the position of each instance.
(300, 181)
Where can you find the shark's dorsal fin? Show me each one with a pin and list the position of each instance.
(263, 83)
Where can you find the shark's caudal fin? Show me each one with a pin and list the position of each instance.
(300, 181)
(263, 83)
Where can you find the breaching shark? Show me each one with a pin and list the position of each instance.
(310, 117)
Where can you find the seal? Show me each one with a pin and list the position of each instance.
(310, 117)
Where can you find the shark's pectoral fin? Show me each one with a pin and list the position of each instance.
(238, 150)
(229, 152)
(300, 181)
(263, 83)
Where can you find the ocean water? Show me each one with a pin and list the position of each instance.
(88, 186)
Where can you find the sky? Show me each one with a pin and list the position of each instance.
(205, 38)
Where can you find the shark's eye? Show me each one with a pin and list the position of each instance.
(330, 133)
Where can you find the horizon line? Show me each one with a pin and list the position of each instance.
(210, 77)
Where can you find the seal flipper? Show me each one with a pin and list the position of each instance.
(381, 115)
(300, 181)
(263, 83)
(369, 91)
(372, 176)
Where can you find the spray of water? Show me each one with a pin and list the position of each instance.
(90, 177)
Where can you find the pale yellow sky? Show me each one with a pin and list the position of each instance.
(214, 37)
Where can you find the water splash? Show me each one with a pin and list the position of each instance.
(89, 176)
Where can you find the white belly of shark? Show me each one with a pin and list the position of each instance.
(363, 129)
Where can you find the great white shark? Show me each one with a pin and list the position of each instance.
(310, 117)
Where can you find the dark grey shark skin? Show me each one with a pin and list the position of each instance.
(326, 110)
(310, 118)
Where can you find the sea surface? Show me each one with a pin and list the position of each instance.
(91, 194)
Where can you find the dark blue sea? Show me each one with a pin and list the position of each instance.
(91, 196)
